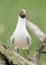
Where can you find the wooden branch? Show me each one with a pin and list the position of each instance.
(40, 50)
(35, 30)
(13, 57)
(41, 36)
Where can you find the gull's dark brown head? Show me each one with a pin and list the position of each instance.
(22, 13)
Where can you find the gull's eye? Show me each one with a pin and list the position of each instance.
(21, 11)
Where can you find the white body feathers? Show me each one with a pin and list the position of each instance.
(21, 37)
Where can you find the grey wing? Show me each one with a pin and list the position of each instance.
(29, 40)
(12, 39)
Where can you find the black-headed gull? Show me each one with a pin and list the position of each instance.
(21, 38)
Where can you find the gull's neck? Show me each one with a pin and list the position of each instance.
(21, 22)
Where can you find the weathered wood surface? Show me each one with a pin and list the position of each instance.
(36, 30)
(13, 57)
(41, 36)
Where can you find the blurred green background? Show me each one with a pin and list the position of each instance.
(36, 12)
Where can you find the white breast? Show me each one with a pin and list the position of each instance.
(20, 40)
